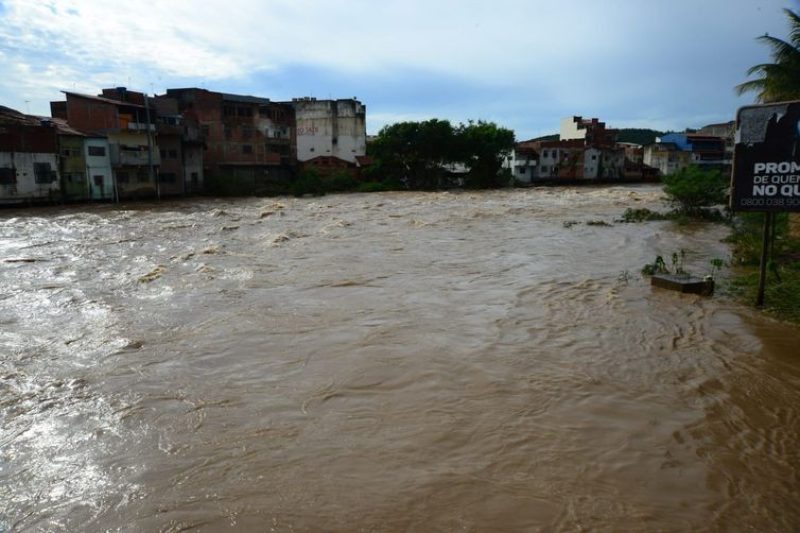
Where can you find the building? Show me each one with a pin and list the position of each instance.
(28, 159)
(667, 158)
(586, 150)
(330, 129)
(99, 171)
(522, 163)
(675, 151)
(247, 139)
(72, 161)
(592, 131)
(126, 120)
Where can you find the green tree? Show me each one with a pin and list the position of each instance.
(417, 154)
(481, 146)
(691, 189)
(414, 152)
(779, 80)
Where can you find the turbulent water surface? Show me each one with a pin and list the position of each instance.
(384, 362)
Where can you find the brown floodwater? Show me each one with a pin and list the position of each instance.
(384, 362)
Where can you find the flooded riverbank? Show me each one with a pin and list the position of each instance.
(400, 361)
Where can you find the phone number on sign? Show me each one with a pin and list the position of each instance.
(770, 202)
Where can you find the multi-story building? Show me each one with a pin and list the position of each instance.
(330, 129)
(99, 171)
(28, 158)
(592, 131)
(675, 151)
(247, 138)
(125, 118)
(72, 161)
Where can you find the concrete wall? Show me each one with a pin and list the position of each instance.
(73, 167)
(25, 188)
(193, 168)
(569, 130)
(334, 128)
(98, 169)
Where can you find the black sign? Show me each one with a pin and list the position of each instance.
(766, 159)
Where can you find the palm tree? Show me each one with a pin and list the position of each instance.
(780, 80)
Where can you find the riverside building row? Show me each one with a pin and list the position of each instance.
(123, 144)
(587, 150)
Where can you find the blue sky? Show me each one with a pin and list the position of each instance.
(523, 64)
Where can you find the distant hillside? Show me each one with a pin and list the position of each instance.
(638, 135)
(553, 137)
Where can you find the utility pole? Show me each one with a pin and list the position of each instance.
(150, 170)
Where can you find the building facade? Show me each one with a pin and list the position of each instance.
(29, 169)
(330, 128)
(247, 139)
(126, 120)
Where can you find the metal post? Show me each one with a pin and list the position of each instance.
(762, 278)
(150, 172)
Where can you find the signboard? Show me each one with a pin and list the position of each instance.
(766, 159)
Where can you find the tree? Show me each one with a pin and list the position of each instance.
(691, 189)
(481, 146)
(414, 152)
(418, 154)
(779, 80)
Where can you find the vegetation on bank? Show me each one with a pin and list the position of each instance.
(782, 291)
(308, 182)
(693, 194)
(434, 154)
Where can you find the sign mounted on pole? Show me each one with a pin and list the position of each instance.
(766, 159)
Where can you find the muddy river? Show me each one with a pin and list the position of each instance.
(384, 362)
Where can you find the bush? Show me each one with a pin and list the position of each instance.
(309, 182)
(340, 182)
(642, 215)
(373, 186)
(692, 189)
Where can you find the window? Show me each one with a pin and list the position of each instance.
(229, 111)
(98, 181)
(97, 151)
(244, 111)
(247, 149)
(195, 178)
(8, 176)
(227, 131)
(66, 152)
(163, 152)
(167, 177)
(247, 132)
(122, 177)
(594, 158)
(43, 173)
(544, 153)
(521, 170)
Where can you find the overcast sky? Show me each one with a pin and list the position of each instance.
(524, 64)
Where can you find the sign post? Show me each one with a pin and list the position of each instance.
(766, 168)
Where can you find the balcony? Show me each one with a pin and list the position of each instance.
(141, 126)
(132, 156)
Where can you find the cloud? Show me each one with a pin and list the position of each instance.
(462, 58)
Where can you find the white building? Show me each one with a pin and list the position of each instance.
(522, 163)
(98, 169)
(333, 128)
(28, 159)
